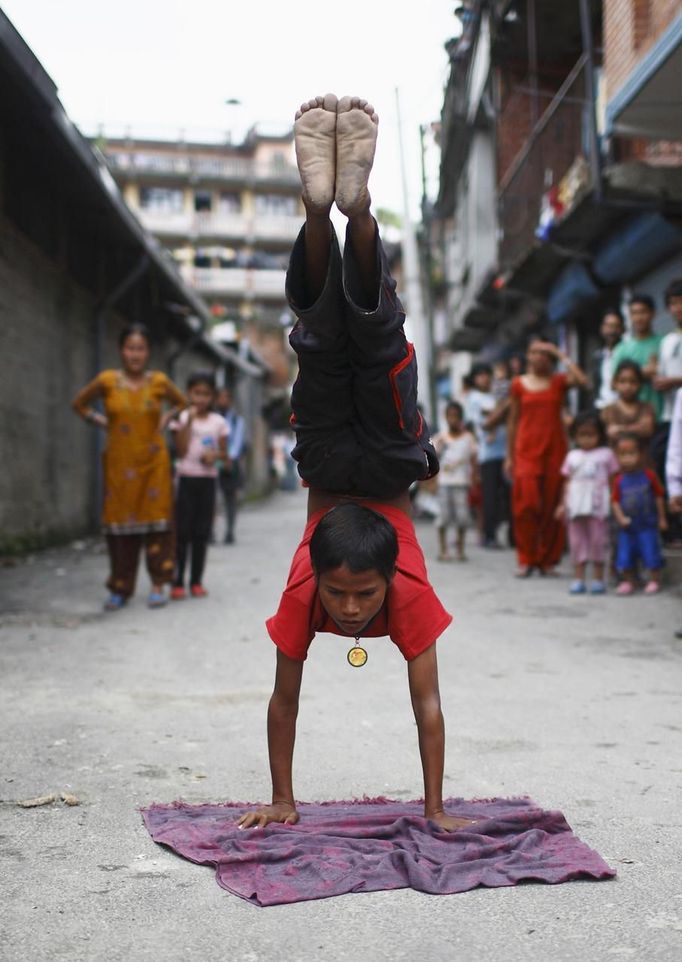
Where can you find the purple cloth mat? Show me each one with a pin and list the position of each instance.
(376, 843)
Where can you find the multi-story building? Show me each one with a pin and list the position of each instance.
(229, 214)
(558, 192)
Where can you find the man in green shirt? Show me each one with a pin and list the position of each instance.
(642, 346)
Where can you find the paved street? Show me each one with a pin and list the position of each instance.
(574, 701)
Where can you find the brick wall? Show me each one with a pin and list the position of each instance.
(631, 27)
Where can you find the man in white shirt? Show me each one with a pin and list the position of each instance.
(611, 331)
(668, 380)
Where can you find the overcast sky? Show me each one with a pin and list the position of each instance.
(163, 65)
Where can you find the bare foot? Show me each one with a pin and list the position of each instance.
(315, 140)
(356, 139)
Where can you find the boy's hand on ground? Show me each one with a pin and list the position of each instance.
(450, 823)
(278, 812)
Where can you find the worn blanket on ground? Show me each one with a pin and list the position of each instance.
(376, 843)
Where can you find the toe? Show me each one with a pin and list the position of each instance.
(344, 104)
(330, 102)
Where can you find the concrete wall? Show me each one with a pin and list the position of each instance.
(48, 489)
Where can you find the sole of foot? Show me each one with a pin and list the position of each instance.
(356, 140)
(315, 142)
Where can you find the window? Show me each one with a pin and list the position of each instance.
(276, 205)
(202, 200)
(229, 203)
(166, 199)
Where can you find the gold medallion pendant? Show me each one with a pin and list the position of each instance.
(357, 656)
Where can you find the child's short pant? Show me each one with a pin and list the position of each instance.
(453, 506)
(639, 546)
(358, 427)
(588, 539)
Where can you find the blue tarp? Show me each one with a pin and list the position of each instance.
(573, 287)
(643, 243)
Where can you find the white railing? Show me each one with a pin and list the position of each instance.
(239, 281)
(207, 224)
(223, 168)
(166, 222)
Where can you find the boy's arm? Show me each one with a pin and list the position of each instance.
(422, 674)
(282, 713)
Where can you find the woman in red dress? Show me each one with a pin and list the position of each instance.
(536, 448)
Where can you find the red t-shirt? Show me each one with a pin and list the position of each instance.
(411, 615)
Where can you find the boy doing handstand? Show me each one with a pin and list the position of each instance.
(361, 442)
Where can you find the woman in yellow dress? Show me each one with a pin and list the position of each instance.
(138, 494)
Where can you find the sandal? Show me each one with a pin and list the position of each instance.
(114, 602)
(156, 599)
(524, 572)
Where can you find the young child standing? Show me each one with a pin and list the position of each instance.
(361, 442)
(200, 441)
(456, 449)
(588, 469)
(627, 414)
(639, 508)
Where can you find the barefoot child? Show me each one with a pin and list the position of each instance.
(456, 451)
(639, 509)
(360, 443)
(200, 441)
(588, 469)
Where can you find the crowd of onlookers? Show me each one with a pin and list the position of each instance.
(607, 478)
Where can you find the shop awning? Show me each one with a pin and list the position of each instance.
(573, 288)
(640, 244)
(649, 104)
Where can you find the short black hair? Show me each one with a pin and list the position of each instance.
(630, 436)
(628, 365)
(129, 329)
(480, 367)
(357, 537)
(201, 377)
(645, 299)
(455, 406)
(674, 289)
(592, 418)
(613, 312)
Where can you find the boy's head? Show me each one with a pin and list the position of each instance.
(612, 327)
(353, 552)
(223, 400)
(628, 450)
(482, 376)
(673, 299)
(454, 415)
(201, 389)
(642, 308)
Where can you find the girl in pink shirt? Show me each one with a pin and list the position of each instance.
(587, 471)
(200, 441)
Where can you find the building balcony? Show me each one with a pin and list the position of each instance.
(206, 225)
(246, 283)
(179, 166)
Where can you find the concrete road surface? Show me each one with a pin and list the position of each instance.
(574, 701)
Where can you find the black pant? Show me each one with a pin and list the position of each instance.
(495, 497)
(358, 428)
(194, 506)
(230, 481)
